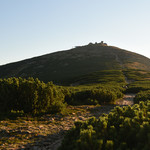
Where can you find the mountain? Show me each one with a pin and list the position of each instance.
(64, 66)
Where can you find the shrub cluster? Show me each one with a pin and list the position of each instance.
(122, 129)
(92, 95)
(103, 76)
(142, 96)
(136, 74)
(138, 86)
(30, 96)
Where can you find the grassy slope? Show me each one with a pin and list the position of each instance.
(103, 77)
(137, 75)
(64, 66)
(139, 80)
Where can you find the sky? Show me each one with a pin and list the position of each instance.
(30, 28)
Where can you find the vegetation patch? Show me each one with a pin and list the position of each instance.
(28, 131)
(123, 128)
(142, 96)
(137, 75)
(32, 111)
(30, 96)
(62, 67)
(138, 86)
(93, 94)
(103, 77)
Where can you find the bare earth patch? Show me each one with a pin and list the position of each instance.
(47, 132)
(126, 100)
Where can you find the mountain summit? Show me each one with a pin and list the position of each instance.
(65, 65)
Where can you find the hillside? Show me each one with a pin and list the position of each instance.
(64, 66)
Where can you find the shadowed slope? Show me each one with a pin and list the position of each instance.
(65, 65)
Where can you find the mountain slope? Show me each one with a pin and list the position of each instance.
(66, 65)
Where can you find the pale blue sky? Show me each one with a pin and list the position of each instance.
(31, 28)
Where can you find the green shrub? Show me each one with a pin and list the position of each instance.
(138, 86)
(142, 96)
(103, 76)
(92, 94)
(122, 129)
(29, 95)
(136, 74)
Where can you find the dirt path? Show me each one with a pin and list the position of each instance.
(52, 142)
(47, 132)
(97, 111)
(126, 100)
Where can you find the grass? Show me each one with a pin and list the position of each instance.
(140, 80)
(103, 77)
(137, 75)
(62, 67)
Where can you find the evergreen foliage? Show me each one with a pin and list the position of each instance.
(122, 129)
(87, 95)
(138, 86)
(142, 96)
(137, 74)
(102, 77)
(34, 96)
(30, 95)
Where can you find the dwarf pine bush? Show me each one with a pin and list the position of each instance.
(122, 129)
(30, 95)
